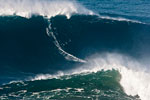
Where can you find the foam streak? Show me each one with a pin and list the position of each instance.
(67, 55)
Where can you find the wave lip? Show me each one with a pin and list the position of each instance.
(133, 77)
(26, 8)
(127, 74)
(100, 85)
(48, 8)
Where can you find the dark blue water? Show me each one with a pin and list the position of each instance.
(135, 9)
(41, 45)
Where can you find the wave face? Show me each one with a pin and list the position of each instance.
(26, 45)
(100, 85)
(61, 50)
(38, 45)
(108, 76)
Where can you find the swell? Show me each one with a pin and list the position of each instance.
(49, 39)
(104, 76)
(83, 35)
(27, 49)
(100, 85)
(26, 45)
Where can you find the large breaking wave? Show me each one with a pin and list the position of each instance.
(80, 54)
(47, 8)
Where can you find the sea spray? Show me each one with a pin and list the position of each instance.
(47, 8)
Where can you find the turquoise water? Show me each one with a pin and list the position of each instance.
(100, 85)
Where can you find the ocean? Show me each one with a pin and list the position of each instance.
(74, 50)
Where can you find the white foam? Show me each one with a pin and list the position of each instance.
(49, 8)
(67, 55)
(120, 19)
(79, 89)
(134, 79)
(1, 88)
(48, 76)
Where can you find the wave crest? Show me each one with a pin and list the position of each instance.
(26, 8)
(134, 78)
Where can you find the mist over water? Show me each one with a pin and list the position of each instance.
(47, 8)
(60, 49)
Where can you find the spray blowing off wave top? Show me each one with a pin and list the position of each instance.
(47, 47)
(27, 8)
(106, 76)
(48, 8)
(134, 79)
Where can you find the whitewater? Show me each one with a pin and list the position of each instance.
(135, 76)
(47, 8)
